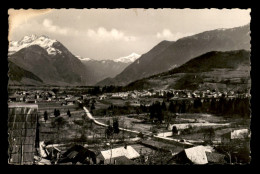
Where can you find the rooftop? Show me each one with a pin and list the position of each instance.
(128, 152)
(22, 105)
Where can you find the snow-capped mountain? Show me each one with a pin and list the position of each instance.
(128, 59)
(49, 60)
(107, 68)
(84, 58)
(26, 41)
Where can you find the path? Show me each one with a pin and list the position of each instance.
(89, 115)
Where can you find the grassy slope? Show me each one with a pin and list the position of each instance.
(205, 68)
(17, 73)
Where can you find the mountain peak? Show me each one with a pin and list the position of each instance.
(28, 39)
(128, 59)
(83, 58)
(43, 41)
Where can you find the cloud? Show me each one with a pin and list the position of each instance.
(48, 24)
(102, 34)
(168, 35)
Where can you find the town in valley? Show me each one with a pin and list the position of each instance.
(180, 102)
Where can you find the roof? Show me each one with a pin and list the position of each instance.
(129, 152)
(239, 134)
(22, 105)
(197, 155)
(236, 134)
(22, 123)
(78, 153)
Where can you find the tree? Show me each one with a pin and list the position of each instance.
(116, 126)
(163, 107)
(45, 116)
(141, 135)
(172, 107)
(56, 112)
(59, 122)
(156, 111)
(68, 113)
(210, 133)
(55, 90)
(174, 130)
(92, 106)
(236, 151)
(109, 131)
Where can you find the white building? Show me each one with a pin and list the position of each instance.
(109, 155)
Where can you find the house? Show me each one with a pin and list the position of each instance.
(102, 97)
(193, 155)
(235, 134)
(62, 97)
(31, 101)
(110, 156)
(132, 95)
(70, 101)
(116, 96)
(23, 131)
(83, 97)
(78, 154)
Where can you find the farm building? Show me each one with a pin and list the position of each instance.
(193, 155)
(112, 158)
(198, 155)
(235, 134)
(23, 133)
(70, 101)
(78, 154)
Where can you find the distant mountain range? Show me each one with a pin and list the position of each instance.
(213, 70)
(171, 54)
(127, 59)
(50, 61)
(108, 68)
(192, 62)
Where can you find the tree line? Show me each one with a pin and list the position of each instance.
(223, 106)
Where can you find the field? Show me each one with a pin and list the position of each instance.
(76, 129)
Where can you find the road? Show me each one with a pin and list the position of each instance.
(89, 115)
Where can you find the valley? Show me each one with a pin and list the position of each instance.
(183, 102)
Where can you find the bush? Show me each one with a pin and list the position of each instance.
(188, 130)
(79, 122)
(59, 122)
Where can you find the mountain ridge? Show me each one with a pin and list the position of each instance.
(169, 54)
(62, 68)
(214, 69)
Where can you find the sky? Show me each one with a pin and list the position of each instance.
(112, 33)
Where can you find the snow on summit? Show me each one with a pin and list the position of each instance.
(26, 41)
(128, 59)
(83, 59)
